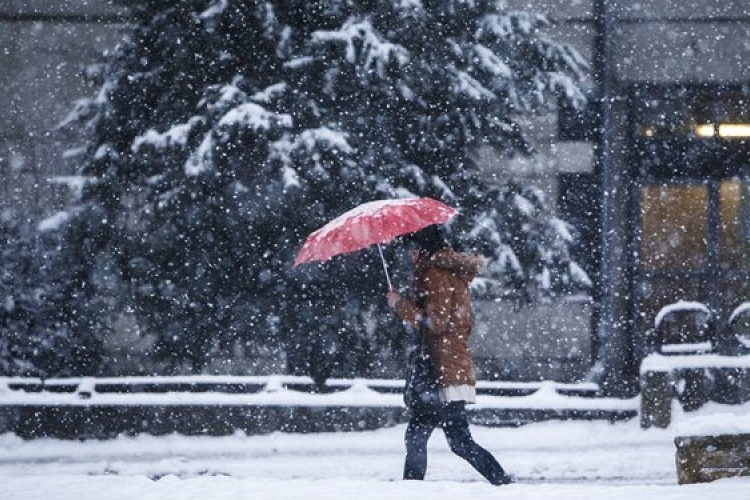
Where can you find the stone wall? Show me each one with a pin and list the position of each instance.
(534, 342)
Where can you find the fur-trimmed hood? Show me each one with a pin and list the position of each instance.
(465, 266)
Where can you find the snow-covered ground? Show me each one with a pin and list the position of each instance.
(550, 460)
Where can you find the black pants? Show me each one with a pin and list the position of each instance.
(452, 418)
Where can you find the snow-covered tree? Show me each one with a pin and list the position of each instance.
(49, 326)
(225, 131)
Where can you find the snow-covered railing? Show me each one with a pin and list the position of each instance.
(286, 390)
(219, 405)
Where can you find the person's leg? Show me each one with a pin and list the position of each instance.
(421, 425)
(456, 428)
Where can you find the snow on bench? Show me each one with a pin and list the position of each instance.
(687, 348)
(658, 363)
(679, 306)
(658, 375)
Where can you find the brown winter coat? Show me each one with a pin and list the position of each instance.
(442, 282)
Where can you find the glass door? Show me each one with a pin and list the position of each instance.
(734, 246)
(675, 247)
(694, 245)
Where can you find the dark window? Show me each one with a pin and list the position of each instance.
(578, 204)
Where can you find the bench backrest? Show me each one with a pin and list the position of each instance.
(738, 326)
(685, 328)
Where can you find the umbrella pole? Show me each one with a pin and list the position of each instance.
(385, 267)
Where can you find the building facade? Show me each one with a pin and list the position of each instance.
(46, 48)
(671, 167)
(653, 174)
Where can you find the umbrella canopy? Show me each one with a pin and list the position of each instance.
(372, 223)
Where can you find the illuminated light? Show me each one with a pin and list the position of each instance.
(734, 130)
(704, 130)
(648, 132)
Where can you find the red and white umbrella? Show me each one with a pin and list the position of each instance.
(372, 223)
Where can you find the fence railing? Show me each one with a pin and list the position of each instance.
(264, 390)
(219, 405)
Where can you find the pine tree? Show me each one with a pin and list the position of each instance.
(48, 326)
(16, 298)
(226, 131)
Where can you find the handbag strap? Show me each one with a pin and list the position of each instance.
(421, 332)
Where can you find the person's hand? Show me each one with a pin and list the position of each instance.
(393, 298)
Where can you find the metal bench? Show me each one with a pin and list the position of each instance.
(695, 359)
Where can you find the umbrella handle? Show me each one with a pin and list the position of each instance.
(385, 267)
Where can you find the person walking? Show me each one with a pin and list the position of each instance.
(440, 314)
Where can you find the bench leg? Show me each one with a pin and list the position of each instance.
(656, 400)
(695, 394)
